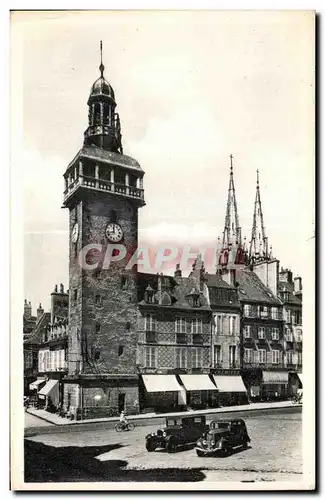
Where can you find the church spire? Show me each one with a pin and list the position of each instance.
(258, 250)
(232, 230)
(231, 252)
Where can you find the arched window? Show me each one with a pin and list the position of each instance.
(97, 113)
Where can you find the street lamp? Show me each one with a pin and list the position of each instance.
(97, 398)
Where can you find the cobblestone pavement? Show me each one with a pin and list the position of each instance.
(275, 454)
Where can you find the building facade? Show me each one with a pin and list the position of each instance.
(262, 339)
(124, 340)
(290, 293)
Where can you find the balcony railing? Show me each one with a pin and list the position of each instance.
(103, 185)
(247, 364)
(263, 315)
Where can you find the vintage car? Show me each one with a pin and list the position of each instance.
(222, 437)
(178, 431)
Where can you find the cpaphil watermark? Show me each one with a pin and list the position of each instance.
(155, 259)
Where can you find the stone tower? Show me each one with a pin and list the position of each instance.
(103, 192)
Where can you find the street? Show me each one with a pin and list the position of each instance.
(275, 453)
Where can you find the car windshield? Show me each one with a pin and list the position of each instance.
(172, 422)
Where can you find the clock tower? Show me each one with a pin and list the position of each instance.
(103, 192)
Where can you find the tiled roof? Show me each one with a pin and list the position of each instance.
(251, 289)
(214, 280)
(220, 292)
(178, 290)
(97, 153)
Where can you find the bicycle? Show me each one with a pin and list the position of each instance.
(122, 426)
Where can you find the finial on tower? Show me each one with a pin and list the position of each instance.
(258, 177)
(231, 165)
(101, 67)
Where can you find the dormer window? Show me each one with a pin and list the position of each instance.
(149, 295)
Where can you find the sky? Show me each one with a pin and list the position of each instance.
(191, 88)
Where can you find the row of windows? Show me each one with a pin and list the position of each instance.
(261, 332)
(181, 357)
(232, 355)
(226, 324)
(150, 324)
(291, 357)
(289, 336)
(51, 360)
(248, 356)
(262, 311)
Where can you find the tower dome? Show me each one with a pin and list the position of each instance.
(101, 88)
(104, 128)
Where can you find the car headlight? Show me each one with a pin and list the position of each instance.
(153, 434)
(204, 442)
(213, 443)
(164, 434)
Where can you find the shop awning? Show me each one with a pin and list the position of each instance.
(300, 375)
(35, 385)
(229, 383)
(197, 383)
(161, 383)
(49, 387)
(275, 377)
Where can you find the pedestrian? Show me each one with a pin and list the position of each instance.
(123, 419)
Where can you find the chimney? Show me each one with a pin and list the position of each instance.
(298, 284)
(56, 289)
(178, 272)
(40, 311)
(229, 277)
(159, 291)
(61, 288)
(285, 275)
(27, 309)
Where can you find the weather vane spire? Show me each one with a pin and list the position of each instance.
(101, 67)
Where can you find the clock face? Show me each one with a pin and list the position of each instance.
(114, 232)
(75, 233)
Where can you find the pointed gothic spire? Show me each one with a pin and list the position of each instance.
(232, 230)
(259, 242)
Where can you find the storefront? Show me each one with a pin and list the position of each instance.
(232, 390)
(163, 393)
(274, 385)
(200, 391)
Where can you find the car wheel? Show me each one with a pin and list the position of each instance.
(171, 446)
(150, 446)
(199, 453)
